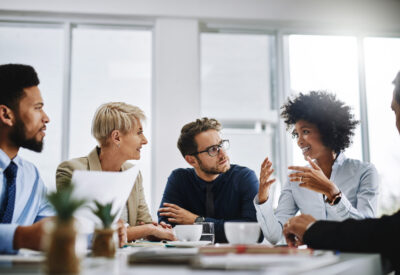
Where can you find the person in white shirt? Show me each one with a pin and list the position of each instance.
(23, 202)
(332, 187)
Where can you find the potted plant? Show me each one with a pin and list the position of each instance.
(61, 254)
(104, 242)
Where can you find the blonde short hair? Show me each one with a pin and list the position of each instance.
(114, 116)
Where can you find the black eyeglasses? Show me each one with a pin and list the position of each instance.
(213, 150)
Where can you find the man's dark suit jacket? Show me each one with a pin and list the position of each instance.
(370, 235)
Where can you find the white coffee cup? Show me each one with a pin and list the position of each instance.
(188, 232)
(242, 232)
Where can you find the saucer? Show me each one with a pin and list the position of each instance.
(188, 243)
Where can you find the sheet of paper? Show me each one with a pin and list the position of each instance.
(105, 187)
(23, 256)
(276, 263)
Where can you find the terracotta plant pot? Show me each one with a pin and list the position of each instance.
(104, 243)
(61, 254)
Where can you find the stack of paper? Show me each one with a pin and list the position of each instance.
(252, 249)
(274, 263)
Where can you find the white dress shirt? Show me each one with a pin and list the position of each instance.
(358, 182)
(31, 203)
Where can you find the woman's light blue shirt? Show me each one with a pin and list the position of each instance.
(358, 182)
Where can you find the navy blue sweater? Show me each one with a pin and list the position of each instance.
(233, 190)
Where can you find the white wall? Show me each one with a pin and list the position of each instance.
(359, 14)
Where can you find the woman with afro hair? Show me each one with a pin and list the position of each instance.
(332, 186)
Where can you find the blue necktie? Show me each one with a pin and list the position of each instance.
(7, 207)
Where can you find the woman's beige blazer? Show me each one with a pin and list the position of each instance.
(136, 205)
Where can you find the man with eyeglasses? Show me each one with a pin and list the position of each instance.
(213, 190)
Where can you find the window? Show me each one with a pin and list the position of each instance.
(382, 59)
(236, 89)
(239, 77)
(109, 65)
(29, 44)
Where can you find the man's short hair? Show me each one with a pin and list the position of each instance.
(396, 83)
(115, 116)
(186, 142)
(14, 78)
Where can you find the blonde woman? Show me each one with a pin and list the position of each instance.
(118, 130)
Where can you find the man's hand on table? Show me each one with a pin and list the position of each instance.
(158, 232)
(177, 214)
(30, 236)
(295, 228)
(163, 224)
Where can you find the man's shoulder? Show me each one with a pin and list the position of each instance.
(181, 175)
(27, 166)
(239, 174)
(241, 179)
(31, 175)
(239, 170)
(182, 171)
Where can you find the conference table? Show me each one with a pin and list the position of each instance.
(320, 262)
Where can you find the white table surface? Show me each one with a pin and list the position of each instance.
(344, 263)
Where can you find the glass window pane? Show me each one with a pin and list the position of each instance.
(109, 65)
(236, 89)
(382, 59)
(29, 45)
(326, 63)
(249, 148)
(235, 76)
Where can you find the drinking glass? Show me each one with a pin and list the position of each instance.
(208, 231)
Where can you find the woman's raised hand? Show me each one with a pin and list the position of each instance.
(265, 182)
(313, 178)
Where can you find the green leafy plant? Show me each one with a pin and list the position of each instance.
(64, 204)
(103, 211)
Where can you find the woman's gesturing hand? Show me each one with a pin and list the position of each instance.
(265, 182)
(313, 178)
